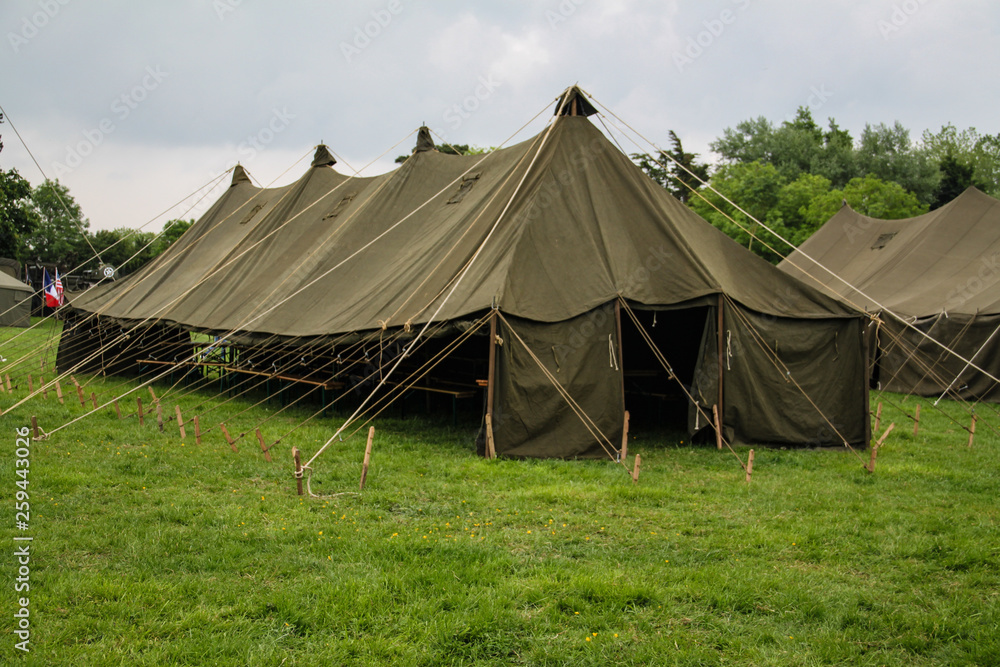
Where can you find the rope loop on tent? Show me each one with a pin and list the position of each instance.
(408, 325)
(383, 324)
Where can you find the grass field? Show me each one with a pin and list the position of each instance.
(151, 550)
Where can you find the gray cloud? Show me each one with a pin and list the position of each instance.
(233, 64)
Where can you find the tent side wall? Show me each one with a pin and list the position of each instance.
(786, 381)
(15, 307)
(909, 363)
(530, 417)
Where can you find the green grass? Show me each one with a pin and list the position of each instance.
(150, 550)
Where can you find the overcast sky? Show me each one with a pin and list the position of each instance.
(136, 105)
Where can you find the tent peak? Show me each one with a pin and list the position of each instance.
(323, 157)
(424, 140)
(239, 175)
(573, 102)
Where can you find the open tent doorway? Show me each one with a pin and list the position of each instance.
(656, 401)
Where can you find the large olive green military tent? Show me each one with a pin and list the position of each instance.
(556, 236)
(938, 272)
(15, 302)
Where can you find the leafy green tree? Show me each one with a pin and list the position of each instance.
(888, 154)
(967, 148)
(755, 187)
(129, 250)
(794, 199)
(17, 220)
(59, 236)
(795, 147)
(680, 172)
(955, 179)
(869, 196)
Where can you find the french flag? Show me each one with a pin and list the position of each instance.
(53, 289)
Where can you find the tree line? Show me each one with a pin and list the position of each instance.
(45, 225)
(793, 176)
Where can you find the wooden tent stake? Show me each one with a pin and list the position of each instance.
(871, 463)
(197, 431)
(34, 426)
(878, 416)
(228, 439)
(73, 378)
(972, 428)
(491, 452)
(31, 386)
(152, 393)
(59, 392)
(2, 390)
(635, 469)
(368, 458)
(159, 416)
(718, 428)
(93, 399)
(298, 469)
(886, 434)
(79, 394)
(138, 401)
(9, 388)
(118, 410)
(624, 452)
(916, 419)
(263, 447)
(180, 421)
(749, 465)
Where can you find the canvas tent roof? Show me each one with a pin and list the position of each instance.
(325, 255)
(942, 261)
(552, 232)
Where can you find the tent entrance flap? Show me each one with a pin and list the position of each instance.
(532, 417)
(652, 397)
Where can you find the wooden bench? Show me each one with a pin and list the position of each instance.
(454, 393)
(189, 365)
(324, 385)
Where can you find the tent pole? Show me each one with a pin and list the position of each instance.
(721, 352)
(490, 450)
(621, 359)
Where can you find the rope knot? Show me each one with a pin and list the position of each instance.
(408, 325)
(383, 324)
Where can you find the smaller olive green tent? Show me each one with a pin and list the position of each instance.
(934, 278)
(15, 302)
